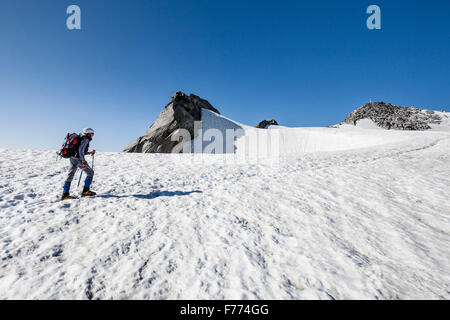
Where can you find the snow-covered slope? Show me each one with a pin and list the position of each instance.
(344, 213)
(283, 141)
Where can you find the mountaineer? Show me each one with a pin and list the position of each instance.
(76, 147)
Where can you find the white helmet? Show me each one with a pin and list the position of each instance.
(88, 130)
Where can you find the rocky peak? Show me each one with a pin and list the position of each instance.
(388, 116)
(265, 123)
(191, 103)
(180, 113)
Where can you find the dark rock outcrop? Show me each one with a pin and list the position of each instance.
(388, 116)
(264, 124)
(180, 113)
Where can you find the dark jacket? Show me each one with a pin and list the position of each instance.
(83, 148)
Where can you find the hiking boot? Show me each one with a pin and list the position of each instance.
(87, 193)
(67, 196)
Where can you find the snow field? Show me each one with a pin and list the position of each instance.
(366, 222)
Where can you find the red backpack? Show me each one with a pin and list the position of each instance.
(70, 145)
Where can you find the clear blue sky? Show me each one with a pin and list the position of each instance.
(304, 63)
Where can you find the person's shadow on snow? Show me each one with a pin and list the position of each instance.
(152, 195)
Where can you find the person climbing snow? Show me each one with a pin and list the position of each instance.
(78, 161)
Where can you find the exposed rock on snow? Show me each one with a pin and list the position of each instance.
(389, 116)
(180, 113)
(264, 124)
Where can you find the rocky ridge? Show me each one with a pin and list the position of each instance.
(388, 116)
(265, 123)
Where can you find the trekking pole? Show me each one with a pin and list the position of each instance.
(81, 173)
(93, 167)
